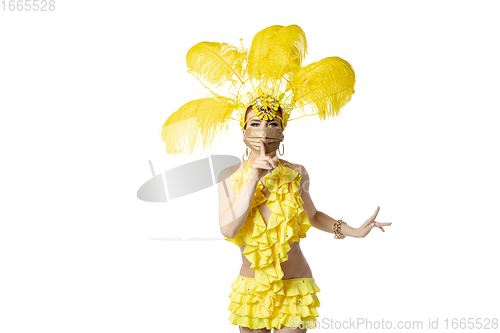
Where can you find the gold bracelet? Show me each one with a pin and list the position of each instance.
(337, 229)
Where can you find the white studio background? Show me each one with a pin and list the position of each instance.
(86, 88)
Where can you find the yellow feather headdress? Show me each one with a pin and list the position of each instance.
(269, 77)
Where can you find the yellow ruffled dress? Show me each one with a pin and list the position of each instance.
(268, 301)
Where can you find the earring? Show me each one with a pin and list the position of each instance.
(246, 154)
(281, 154)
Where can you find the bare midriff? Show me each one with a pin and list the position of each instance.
(295, 266)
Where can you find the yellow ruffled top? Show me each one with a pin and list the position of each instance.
(267, 246)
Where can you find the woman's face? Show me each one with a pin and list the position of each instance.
(261, 123)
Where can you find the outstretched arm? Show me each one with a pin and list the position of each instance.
(317, 218)
(324, 222)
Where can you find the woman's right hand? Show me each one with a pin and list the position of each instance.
(263, 164)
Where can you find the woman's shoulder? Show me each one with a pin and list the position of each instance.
(294, 166)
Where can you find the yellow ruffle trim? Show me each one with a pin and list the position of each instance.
(267, 246)
(297, 306)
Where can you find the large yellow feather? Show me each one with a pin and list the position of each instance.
(276, 51)
(217, 63)
(196, 124)
(325, 86)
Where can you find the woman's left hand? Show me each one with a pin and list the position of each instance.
(370, 223)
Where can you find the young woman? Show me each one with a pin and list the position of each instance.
(265, 206)
(284, 295)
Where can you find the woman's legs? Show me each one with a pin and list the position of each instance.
(244, 329)
(283, 329)
(286, 329)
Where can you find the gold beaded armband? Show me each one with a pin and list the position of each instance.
(337, 230)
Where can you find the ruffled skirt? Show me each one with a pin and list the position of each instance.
(297, 308)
